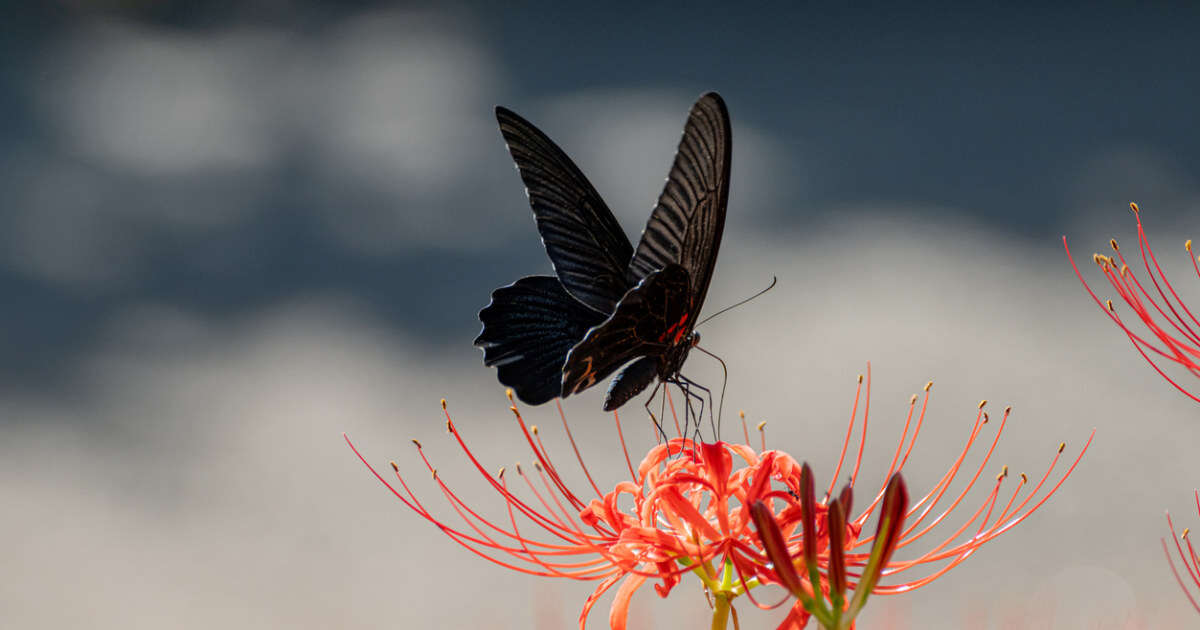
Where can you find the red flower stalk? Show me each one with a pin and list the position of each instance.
(1174, 330)
(687, 509)
(1189, 558)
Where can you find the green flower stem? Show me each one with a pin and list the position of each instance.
(704, 571)
(723, 591)
(721, 609)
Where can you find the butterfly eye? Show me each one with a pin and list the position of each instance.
(695, 338)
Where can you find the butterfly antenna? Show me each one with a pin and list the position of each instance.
(724, 380)
(774, 279)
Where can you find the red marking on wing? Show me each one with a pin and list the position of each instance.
(677, 329)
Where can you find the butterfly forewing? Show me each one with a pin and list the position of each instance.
(686, 224)
(586, 245)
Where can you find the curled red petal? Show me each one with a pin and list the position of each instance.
(620, 606)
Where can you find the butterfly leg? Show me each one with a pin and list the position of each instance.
(655, 420)
(699, 416)
(670, 381)
(685, 385)
(715, 427)
(724, 383)
(662, 413)
(687, 411)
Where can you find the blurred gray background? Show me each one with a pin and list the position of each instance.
(233, 230)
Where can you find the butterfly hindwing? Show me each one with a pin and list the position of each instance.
(686, 224)
(630, 382)
(586, 245)
(647, 321)
(528, 328)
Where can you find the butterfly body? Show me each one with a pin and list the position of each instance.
(616, 305)
(640, 374)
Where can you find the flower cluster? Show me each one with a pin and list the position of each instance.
(1174, 332)
(691, 508)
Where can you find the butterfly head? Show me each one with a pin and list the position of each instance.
(694, 339)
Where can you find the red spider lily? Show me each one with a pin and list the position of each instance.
(690, 512)
(1189, 558)
(1168, 319)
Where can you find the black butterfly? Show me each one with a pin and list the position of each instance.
(609, 304)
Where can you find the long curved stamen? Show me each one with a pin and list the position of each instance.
(846, 443)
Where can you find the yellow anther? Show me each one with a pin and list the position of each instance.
(394, 466)
(443, 404)
(1185, 532)
(1008, 410)
(1134, 207)
(1110, 305)
(860, 378)
(519, 471)
(1188, 245)
(508, 392)
(1061, 446)
(514, 410)
(537, 466)
(1124, 270)
(742, 415)
(416, 442)
(928, 385)
(434, 473)
(500, 475)
(913, 400)
(982, 403)
(1112, 242)
(986, 418)
(1024, 479)
(1099, 259)
(449, 427)
(534, 429)
(761, 425)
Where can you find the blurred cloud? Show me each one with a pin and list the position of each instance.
(63, 232)
(389, 93)
(158, 137)
(162, 103)
(378, 126)
(401, 122)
